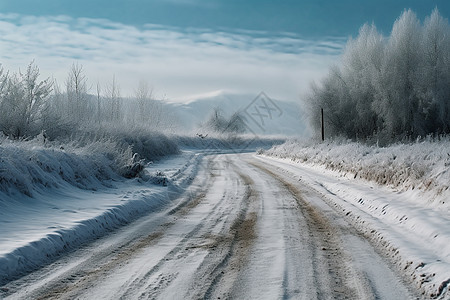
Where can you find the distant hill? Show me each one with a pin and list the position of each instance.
(262, 115)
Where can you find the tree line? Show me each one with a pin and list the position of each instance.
(30, 106)
(389, 88)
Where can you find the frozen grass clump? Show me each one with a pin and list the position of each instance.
(422, 165)
(27, 167)
(86, 161)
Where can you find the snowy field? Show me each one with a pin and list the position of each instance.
(396, 196)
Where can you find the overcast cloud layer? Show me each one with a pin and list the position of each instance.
(176, 62)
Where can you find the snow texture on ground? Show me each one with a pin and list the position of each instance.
(55, 197)
(242, 229)
(35, 230)
(386, 193)
(422, 167)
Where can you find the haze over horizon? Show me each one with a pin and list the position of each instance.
(191, 47)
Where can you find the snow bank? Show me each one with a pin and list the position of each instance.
(39, 252)
(28, 167)
(396, 196)
(84, 160)
(150, 145)
(422, 166)
(36, 233)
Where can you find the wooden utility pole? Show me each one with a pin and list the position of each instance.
(323, 129)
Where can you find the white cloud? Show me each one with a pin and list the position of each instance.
(177, 62)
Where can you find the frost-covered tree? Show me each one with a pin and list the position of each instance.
(77, 94)
(236, 123)
(3, 82)
(28, 107)
(433, 77)
(389, 88)
(362, 63)
(397, 102)
(24, 101)
(218, 123)
(98, 90)
(348, 92)
(54, 116)
(113, 105)
(326, 97)
(144, 96)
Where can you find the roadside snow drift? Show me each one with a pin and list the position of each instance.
(396, 196)
(423, 166)
(56, 197)
(54, 200)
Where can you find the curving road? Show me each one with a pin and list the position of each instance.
(243, 230)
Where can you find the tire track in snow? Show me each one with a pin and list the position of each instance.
(295, 254)
(221, 277)
(245, 231)
(215, 235)
(356, 270)
(144, 286)
(93, 264)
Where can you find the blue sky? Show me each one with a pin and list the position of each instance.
(186, 47)
(309, 18)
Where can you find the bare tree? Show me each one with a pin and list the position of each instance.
(144, 94)
(77, 93)
(99, 104)
(114, 105)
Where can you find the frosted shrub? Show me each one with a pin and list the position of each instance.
(423, 165)
(23, 102)
(26, 167)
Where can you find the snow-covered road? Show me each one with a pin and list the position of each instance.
(244, 229)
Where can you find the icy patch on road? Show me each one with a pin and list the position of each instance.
(34, 231)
